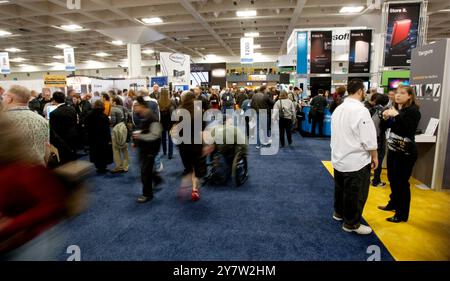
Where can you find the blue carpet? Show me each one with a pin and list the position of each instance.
(282, 213)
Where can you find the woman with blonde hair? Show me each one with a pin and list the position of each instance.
(403, 119)
(287, 115)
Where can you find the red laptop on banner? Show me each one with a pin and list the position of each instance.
(400, 32)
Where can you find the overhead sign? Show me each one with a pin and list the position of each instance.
(302, 52)
(402, 33)
(69, 59)
(321, 51)
(360, 50)
(257, 77)
(4, 63)
(247, 50)
(177, 67)
(55, 81)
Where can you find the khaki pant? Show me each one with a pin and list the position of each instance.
(120, 155)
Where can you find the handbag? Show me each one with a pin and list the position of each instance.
(53, 160)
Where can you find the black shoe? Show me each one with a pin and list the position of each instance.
(102, 171)
(379, 184)
(170, 157)
(157, 180)
(386, 208)
(396, 219)
(143, 199)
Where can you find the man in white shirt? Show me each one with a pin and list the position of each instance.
(353, 153)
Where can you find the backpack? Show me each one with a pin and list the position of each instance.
(376, 118)
(227, 99)
(128, 120)
(281, 109)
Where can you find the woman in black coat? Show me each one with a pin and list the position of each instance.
(403, 120)
(99, 137)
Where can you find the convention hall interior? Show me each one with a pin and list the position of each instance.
(337, 112)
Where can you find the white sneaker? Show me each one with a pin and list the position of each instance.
(361, 230)
(160, 168)
(337, 218)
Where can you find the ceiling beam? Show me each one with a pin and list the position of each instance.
(120, 13)
(187, 5)
(297, 11)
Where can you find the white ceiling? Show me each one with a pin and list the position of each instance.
(195, 27)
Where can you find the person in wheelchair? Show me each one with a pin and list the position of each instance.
(228, 155)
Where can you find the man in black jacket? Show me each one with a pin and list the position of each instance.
(63, 128)
(261, 101)
(318, 105)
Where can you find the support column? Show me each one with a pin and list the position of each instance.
(134, 60)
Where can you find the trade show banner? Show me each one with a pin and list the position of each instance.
(321, 51)
(4, 63)
(160, 80)
(177, 67)
(359, 59)
(302, 52)
(69, 59)
(427, 75)
(100, 85)
(402, 33)
(57, 81)
(247, 50)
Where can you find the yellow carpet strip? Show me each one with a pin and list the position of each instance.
(426, 235)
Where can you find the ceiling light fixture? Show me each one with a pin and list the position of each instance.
(153, 20)
(246, 13)
(5, 33)
(148, 51)
(102, 54)
(62, 46)
(13, 50)
(17, 59)
(117, 42)
(23, 65)
(4, 1)
(54, 64)
(92, 62)
(58, 57)
(71, 27)
(256, 46)
(444, 10)
(351, 9)
(251, 34)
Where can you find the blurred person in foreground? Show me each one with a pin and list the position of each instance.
(148, 140)
(33, 127)
(191, 152)
(32, 201)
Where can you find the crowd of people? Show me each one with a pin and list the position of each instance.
(53, 129)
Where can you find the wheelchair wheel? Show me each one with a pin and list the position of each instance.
(240, 169)
(218, 169)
